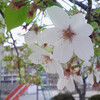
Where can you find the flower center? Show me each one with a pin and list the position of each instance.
(68, 34)
(67, 73)
(47, 59)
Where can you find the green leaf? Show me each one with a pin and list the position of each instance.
(97, 51)
(15, 18)
(97, 10)
(7, 48)
(29, 19)
(94, 24)
(51, 3)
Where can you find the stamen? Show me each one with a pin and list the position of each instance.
(68, 34)
(47, 59)
(67, 73)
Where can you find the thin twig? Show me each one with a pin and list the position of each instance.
(84, 86)
(17, 54)
(14, 44)
(78, 90)
(83, 93)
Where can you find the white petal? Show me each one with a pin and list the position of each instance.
(38, 54)
(97, 74)
(90, 79)
(83, 47)
(78, 79)
(54, 67)
(39, 50)
(77, 20)
(79, 26)
(40, 40)
(59, 69)
(61, 83)
(59, 17)
(36, 58)
(30, 37)
(34, 47)
(70, 84)
(63, 52)
(50, 35)
(83, 29)
(50, 68)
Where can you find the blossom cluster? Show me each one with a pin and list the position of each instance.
(69, 37)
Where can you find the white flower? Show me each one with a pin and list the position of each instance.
(63, 82)
(91, 76)
(70, 34)
(40, 56)
(68, 83)
(31, 38)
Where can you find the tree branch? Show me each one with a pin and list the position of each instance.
(17, 55)
(14, 44)
(78, 90)
(88, 16)
(84, 86)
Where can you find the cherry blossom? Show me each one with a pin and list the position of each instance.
(31, 37)
(68, 83)
(40, 56)
(70, 35)
(95, 73)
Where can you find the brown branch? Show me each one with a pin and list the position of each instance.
(88, 16)
(17, 54)
(14, 44)
(81, 93)
(84, 86)
(78, 90)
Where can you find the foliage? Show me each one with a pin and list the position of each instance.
(15, 18)
(34, 79)
(95, 97)
(61, 96)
